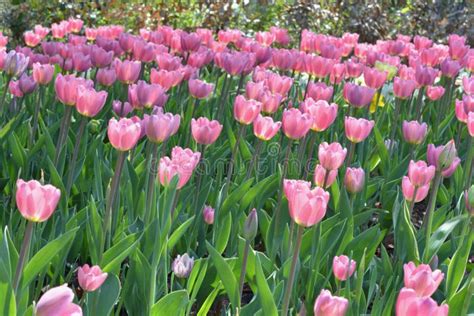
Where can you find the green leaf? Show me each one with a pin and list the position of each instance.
(117, 253)
(440, 235)
(206, 306)
(382, 151)
(179, 232)
(264, 292)
(457, 266)
(7, 300)
(102, 301)
(172, 304)
(406, 246)
(223, 233)
(5, 264)
(43, 258)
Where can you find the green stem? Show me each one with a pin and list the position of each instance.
(243, 270)
(230, 170)
(468, 166)
(4, 95)
(394, 125)
(419, 103)
(23, 257)
(255, 159)
(412, 202)
(65, 122)
(38, 106)
(291, 278)
(77, 144)
(428, 220)
(152, 167)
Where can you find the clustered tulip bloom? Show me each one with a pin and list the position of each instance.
(444, 158)
(182, 164)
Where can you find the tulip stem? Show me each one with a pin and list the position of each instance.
(307, 166)
(241, 82)
(111, 200)
(230, 170)
(419, 103)
(469, 160)
(428, 220)
(350, 155)
(412, 202)
(63, 133)
(24, 251)
(4, 95)
(152, 163)
(394, 126)
(77, 144)
(255, 159)
(307, 87)
(243, 270)
(36, 115)
(291, 277)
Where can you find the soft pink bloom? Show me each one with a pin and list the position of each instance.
(205, 131)
(236, 63)
(444, 158)
(409, 189)
(322, 113)
(89, 101)
(283, 59)
(328, 305)
(101, 58)
(358, 96)
(319, 91)
(200, 89)
(75, 25)
(265, 128)
(430, 56)
(160, 126)
(318, 66)
(106, 76)
(182, 265)
(91, 33)
(245, 111)
(420, 173)
(324, 178)
(278, 84)
(468, 103)
(470, 123)
(410, 304)
(270, 102)
(331, 156)
(124, 133)
(422, 42)
(190, 42)
(338, 73)
(208, 214)
(468, 85)
(121, 109)
(296, 124)
(374, 78)
(422, 279)
(434, 92)
(15, 63)
(36, 202)
(450, 68)
(414, 132)
(281, 35)
(253, 90)
(461, 115)
(66, 88)
(81, 62)
(403, 88)
(90, 278)
(182, 164)
(357, 130)
(58, 301)
(342, 267)
(307, 207)
(43, 74)
(58, 30)
(354, 179)
(353, 69)
(31, 39)
(166, 78)
(425, 76)
(14, 88)
(127, 71)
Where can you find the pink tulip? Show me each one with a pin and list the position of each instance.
(295, 123)
(205, 131)
(403, 88)
(328, 305)
(322, 113)
(319, 91)
(450, 68)
(75, 25)
(265, 38)
(127, 71)
(27, 84)
(90, 278)
(331, 156)
(430, 56)
(245, 111)
(374, 78)
(208, 215)
(307, 207)
(278, 84)
(410, 304)
(354, 179)
(236, 63)
(91, 33)
(282, 59)
(357, 96)
(66, 88)
(41, 30)
(200, 89)
(43, 74)
(14, 89)
(434, 92)
(408, 190)
(422, 42)
(146, 95)
(182, 265)
(281, 35)
(468, 85)
(15, 63)
(470, 123)
(36, 202)
(457, 48)
(182, 164)
(444, 158)
(422, 279)
(357, 130)
(265, 128)
(253, 90)
(353, 69)
(318, 66)
(414, 132)
(468, 103)
(121, 109)
(166, 79)
(101, 58)
(160, 126)
(270, 102)
(81, 62)
(420, 173)
(190, 42)
(425, 76)
(342, 267)
(31, 39)
(324, 178)
(89, 101)
(338, 73)
(461, 115)
(124, 133)
(106, 76)
(57, 301)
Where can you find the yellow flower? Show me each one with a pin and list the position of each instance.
(374, 101)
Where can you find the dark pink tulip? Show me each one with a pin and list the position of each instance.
(262, 53)
(353, 68)
(190, 42)
(331, 156)
(100, 57)
(166, 79)
(444, 158)
(450, 68)
(121, 109)
(200, 58)
(296, 124)
(319, 91)
(470, 123)
(328, 305)
(338, 73)
(343, 267)
(461, 115)
(106, 76)
(126, 42)
(410, 304)
(206, 36)
(270, 102)
(199, 88)
(76, 40)
(425, 76)
(43, 74)
(205, 131)
(422, 42)
(420, 173)
(278, 84)
(330, 51)
(14, 88)
(283, 59)
(36, 202)
(245, 111)
(81, 62)
(236, 63)
(322, 113)
(281, 35)
(374, 78)
(408, 190)
(358, 96)
(90, 278)
(357, 130)
(430, 57)
(354, 179)
(265, 128)
(58, 30)
(27, 84)
(182, 164)
(89, 101)
(57, 301)
(422, 279)
(160, 126)
(434, 92)
(265, 38)
(75, 25)
(414, 132)
(127, 71)
(56, 60)
(321, 174)
(66, 88)
(468, 85)
(124, 133)
(403, 88)
(31, 39)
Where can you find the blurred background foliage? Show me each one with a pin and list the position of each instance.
(371, 19)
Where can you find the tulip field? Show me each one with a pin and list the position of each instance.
(228, 172)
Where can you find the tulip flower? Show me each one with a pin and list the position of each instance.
(434, 92)
(200, 89)
(403, 88)
(246, 111)
(106, 76)
(358, 96)
(90, 278)
(208, 214)
(450, 68)
(121, 109)
(127, 71)
(342, 267)
(444, 158)
(36, 202)
(143, 95)
(470, 123)
(331, 156)
(89, 101)
(324, 178)
(420, 173)
(422, 279)
(319, 91)
(182, 164)
(265, 128)
(57, 301)
(425, 76)
(412, 192)
(205, 131)
(357, 130)
(160, 126)
(409, 303)
(468, 85)
(354, 180)
(66, 88)
(374, 78)
(26, 84)
(295, 123)
(414, 132)
(322, 113)
(469, 200)
(43, 74)
(166, 78)
(124, 133)
(15, 64)
(182, 265)
(328, 305)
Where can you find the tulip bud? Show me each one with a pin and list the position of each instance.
(208, 215)
(251, 226)
(447, 156)
(469, 199)
(183, 265)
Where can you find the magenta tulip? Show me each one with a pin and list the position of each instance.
(208, 215)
